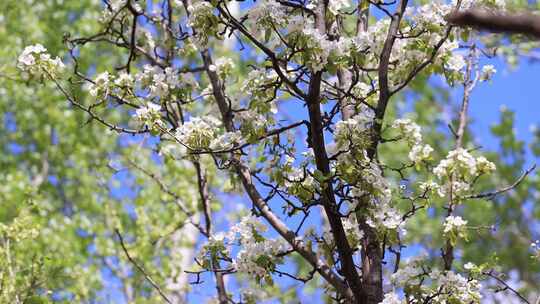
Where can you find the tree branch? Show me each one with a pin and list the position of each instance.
(140, 268)
(492, 21)
(505, 189)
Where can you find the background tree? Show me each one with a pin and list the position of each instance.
(294, 104)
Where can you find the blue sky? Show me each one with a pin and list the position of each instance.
(515, 89)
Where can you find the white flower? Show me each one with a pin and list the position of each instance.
(456, 160)
(484, 166)
(223, 66)
(455, 62)
(469, 266)
(226, 141)
(149, 114)
(202, 18)
(158, 82)
(257, 256)
(265, 15)
(433, 187)
(408, 129)
(317, 48)
(391, 298)
(198, 133)
(259, 86)
(410, 274)
(456, 287)
(420, 152)
(27, 57)
(100, 87)
(462, 162)
(459, 188)
(487, 72)
(441, 287)
(453, 223)
(355, 130)
(354, 234)
(252, 122)
(218, 237)
(124, 80)
(430, 14)
(385, 216)
(33, 49)
(335, 5)
(36, 61)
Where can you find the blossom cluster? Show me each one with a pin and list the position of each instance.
(258, 256)
(353, 136)
(298, 180)
(487, 72)
(151, 82)
(421, 283)
(223, 66)
(37, 62)
(454, 228)
(203, 21)
(161, 82)
(198, 133)
(266, 14)
(463, 167)
(149, 115)
(410, 131)
(354, 131)
(260, 88)
(203, 133)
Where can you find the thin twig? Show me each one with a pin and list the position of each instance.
(492, 194)
(139, 267)
(491, 273)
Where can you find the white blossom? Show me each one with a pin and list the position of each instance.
(202, 18)
(469, 266)
(124, 80)
(265, 15)
(336, 5)
(461, 162)
(456, 62)
(317, 47)
(456, 287)
(408, 129)
(149, 114)
(36, 61)
(355, 130)
(224, 66)
(226, 141)
(410, 274)
(420, 152)
(198, 133)
(484, 166)
(432, 187)
(453, 223)
(487, 72)
(101, 86)
(354, 234)
(391, 298)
